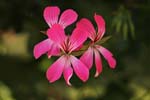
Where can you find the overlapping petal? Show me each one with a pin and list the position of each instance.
(108, 56)
(68, 72)
(68, 17)
(100, 24)
(88, 27)
(56, 34)
(55, 71)
(98, 63)
(42, 48)
(104, 50)
(80, 68)
(54, 51)
(77, 38)
(87, 57)
(51, 15)
(57, 40)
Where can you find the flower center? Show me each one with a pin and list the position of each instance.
(97, 37)
(66, 46)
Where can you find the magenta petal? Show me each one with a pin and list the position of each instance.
(112, 62)
(56, 34)
(108, 56)
(78, 48)
(42, 47)
(77, 38)
(55, 51)
(101, 25)
(51, 15)
(88, 27)
(98, 63)
(68, 17)
(87, 58)
(80, 69)
(104, 51)
(55, 71)
(68, 72)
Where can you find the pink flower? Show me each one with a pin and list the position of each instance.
(51, 15)
(95, 50)
(67, 62)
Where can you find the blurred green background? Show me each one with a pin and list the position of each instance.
(23, 78)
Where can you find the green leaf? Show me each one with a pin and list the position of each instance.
(125, 30)
(44, 32)
(114, 22)
(45, 63)
(132, 29)
(81, 51)
(103, 40)
(118, 25)
(86, 46)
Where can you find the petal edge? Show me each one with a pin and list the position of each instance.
(80, 69)
(51, 15)
(42, 47)
(68, 17)
(55, 71)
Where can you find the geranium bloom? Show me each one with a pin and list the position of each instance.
(51, 15)
(67, 62)
(95, 50)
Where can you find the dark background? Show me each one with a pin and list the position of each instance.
(23, 78)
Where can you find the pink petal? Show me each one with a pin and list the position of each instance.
(68, 17)
(54, 72)
(101, 25)
(56, 34)
(88, 27)
(108, 56)
(78, 48)
(80, 69)
(112, 62)
(51, 15)
(87, 58)
(77, 38)
(68, 72)
(55, 51)
(98, 63)
(104, 50)
(42, 47)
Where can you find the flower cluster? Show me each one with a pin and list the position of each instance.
(66, 46)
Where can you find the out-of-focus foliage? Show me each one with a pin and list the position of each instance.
(5, 92)
(140, 93)
(122, 22)
(14, 44)
(45, 63)
(23, 78)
